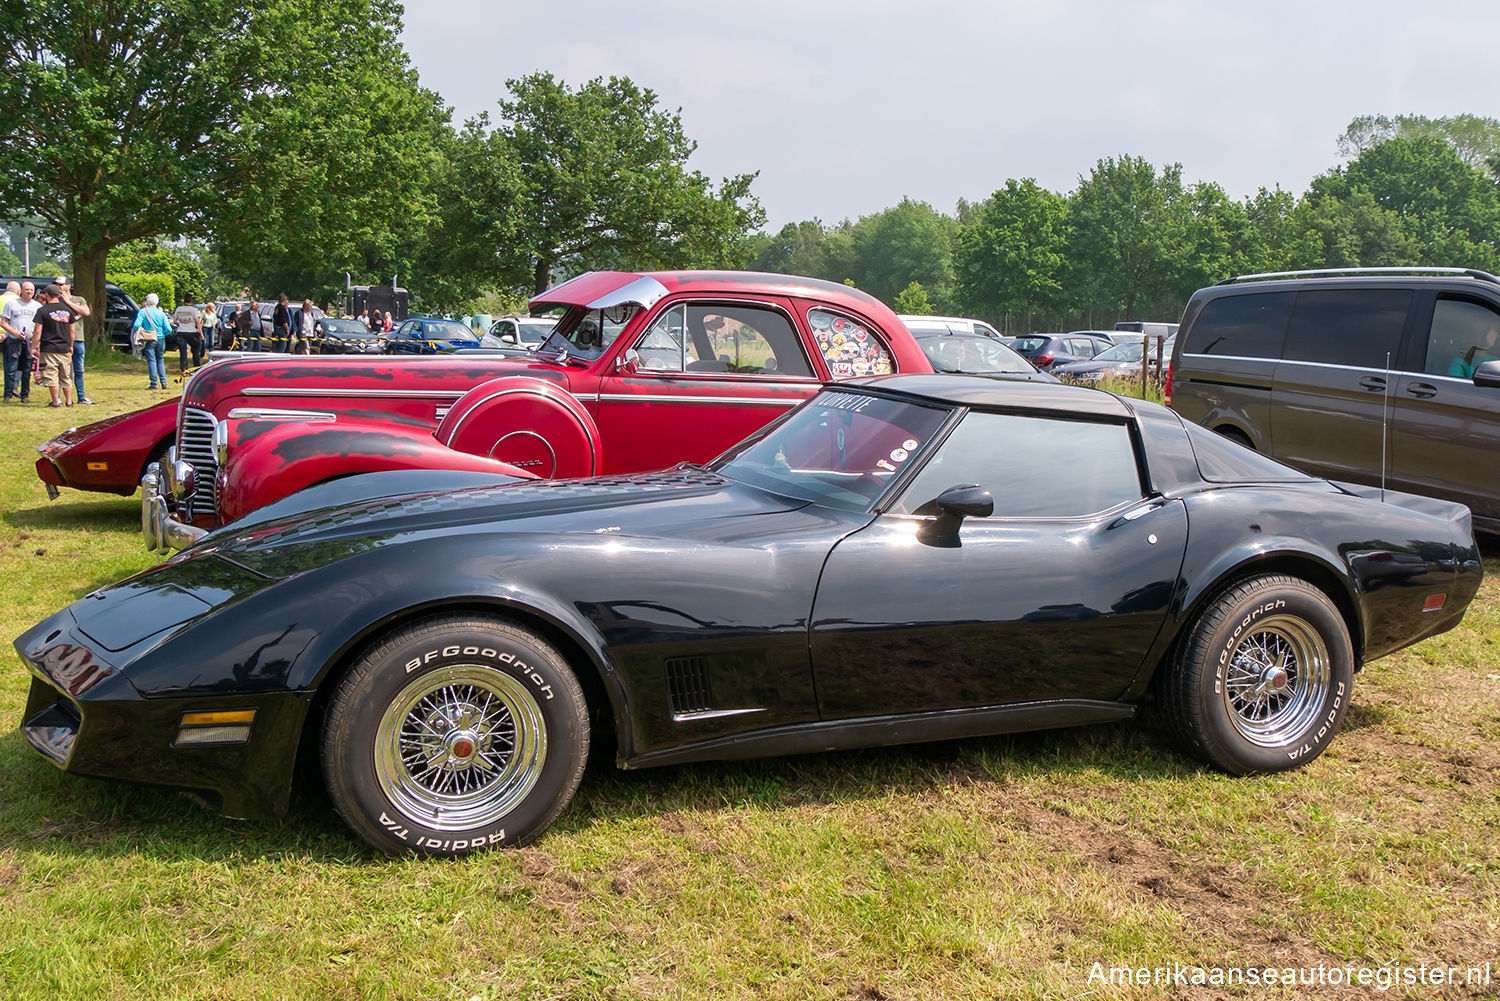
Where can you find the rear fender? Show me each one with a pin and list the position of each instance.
(270, 460)
(529, 423)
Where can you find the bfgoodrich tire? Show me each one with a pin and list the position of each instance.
(453, 735)
(1264, 676)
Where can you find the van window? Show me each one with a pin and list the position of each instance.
(1355, 327)
(1242, 326)
(1464, 335)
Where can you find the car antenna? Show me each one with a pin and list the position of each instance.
(1385, 399)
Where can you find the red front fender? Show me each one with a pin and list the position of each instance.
(272, 459)
(108, 455)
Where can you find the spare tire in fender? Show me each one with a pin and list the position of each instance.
(530, 423)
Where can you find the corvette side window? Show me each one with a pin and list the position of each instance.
(1034, 467)
(851, 348)
(724, 339)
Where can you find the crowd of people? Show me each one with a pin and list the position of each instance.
(43, 335)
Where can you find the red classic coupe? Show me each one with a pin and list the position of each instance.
(642, 371)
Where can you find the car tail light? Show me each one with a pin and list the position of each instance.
(1166, 386)
(1042, 361)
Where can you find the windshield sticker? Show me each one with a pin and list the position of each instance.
(848, 346)
(845, 401)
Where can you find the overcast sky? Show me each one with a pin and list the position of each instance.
(845, 107)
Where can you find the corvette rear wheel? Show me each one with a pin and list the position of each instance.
(455, 734)
(1264, 677)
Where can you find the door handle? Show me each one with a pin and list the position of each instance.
(1373, 382)
(1421, 390)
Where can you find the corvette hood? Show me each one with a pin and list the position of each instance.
(683, 502)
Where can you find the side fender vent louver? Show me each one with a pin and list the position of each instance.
(687, 685)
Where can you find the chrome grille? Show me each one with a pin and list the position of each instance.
(195, 444)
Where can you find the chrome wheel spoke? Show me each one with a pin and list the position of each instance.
(1277, 681)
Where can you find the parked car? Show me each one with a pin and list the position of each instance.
(428, 335)
(518, 331)
(903, 559)
(920, 324)
(341, 335)
(1123, 361)
(1047, 350)
(598, 396)
(973, 354)
(1373, 375)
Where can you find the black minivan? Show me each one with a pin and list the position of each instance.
(1362, 374)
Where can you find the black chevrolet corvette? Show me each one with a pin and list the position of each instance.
(901, 559)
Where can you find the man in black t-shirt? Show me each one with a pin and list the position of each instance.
(52, 338)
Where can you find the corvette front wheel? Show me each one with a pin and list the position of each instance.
(455, 734)
(1264, 677)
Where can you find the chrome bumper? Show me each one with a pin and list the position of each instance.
(162, 532)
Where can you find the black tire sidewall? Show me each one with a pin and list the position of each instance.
(1225, 626)
(365, 695)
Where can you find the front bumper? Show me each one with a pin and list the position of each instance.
(162, 532)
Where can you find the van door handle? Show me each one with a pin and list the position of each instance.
(1421, 390)
(1373, 383)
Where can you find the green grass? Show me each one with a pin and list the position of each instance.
(991, 868)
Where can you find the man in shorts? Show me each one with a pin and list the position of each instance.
(80, 344)
(52, 338)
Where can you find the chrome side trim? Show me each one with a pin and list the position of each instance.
(388, 394)
(748, 401)
(271, 414)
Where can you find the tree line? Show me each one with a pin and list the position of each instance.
(285, 144)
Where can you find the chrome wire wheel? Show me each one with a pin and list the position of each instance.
(460, 747)
(1277, 682)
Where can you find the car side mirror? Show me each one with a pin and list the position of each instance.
(952, 506)
(629, 362)
(1488, 375)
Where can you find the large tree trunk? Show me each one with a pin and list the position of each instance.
(541, 278)
(88, 281)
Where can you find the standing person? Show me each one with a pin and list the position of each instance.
(210, 325)
(187, 325)
(302, 340)
(151, 329)
(12, 291)
(281, 325)
(364, 315)
(80, 307)
(385, 323)
(249, 313)
(16, 322)
(52, 338)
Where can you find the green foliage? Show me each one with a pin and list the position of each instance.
(1473, 139)
(1125, 221)
(187, 274)
(1011, 255)
(10, 264)
(142, 283)
(913, 301)
(601, 181)
(908, 242)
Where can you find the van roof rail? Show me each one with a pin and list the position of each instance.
(1483, 276)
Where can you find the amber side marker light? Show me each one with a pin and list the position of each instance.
(98, 467)
(1434, 602)
(218, 726)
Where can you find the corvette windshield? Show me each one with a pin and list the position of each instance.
(839, 449)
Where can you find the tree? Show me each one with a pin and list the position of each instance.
(908, 242)
(913, 301)
(1123, 220)
(602, 181)
(1474, 140)
(142, 116)
(354, 161)
(1011, 257)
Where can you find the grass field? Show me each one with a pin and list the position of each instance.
(993, 868)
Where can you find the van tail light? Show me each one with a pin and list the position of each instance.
(1042, 361)
(1166, 386)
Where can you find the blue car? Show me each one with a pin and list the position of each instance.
(427, 336)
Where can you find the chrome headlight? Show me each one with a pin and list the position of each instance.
(221, 443)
